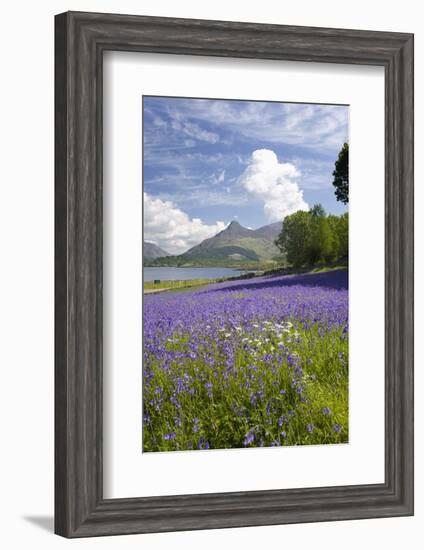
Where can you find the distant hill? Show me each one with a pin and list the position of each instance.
(236, 242)
(235, 245)
(152, 251)
(270, 231)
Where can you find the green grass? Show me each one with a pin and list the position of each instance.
(326, 269)
(289, 270)
(179, 284)
(259, 395)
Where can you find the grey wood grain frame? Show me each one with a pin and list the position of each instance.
(80, 40)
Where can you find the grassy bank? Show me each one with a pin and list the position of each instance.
(172, 285)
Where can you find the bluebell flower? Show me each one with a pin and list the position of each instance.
(208, 387)
(282, 420)
(203, 444)
(250, 438)
(195, 426)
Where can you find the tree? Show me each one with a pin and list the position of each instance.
(308, 238)
(343, 235)
(341, 175)
(319, 243)
(334, 223)
(294, 237)
(317, 211)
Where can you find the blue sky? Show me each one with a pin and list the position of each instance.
(207, 162)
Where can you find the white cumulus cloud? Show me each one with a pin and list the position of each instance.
(172, 229)
(274, 183)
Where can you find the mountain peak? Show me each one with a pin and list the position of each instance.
(152, 251)
(236, 243)
(270, 231)
(234, 224)
(235, 229)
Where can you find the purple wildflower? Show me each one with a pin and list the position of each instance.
(250, 438)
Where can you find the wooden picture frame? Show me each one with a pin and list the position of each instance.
(81, 39)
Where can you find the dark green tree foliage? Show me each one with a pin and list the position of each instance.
(293, 237)
(308, 238)
(319, 240)
(343, 235)
(341, 175)
(333, 222)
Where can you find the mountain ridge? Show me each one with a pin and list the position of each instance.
(152, 251)
(234, 244)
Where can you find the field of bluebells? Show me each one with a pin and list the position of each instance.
(259, 362)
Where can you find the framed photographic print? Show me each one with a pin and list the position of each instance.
(234, 274)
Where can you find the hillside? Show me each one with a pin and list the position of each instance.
(234, 245)
(152, 251)
(270, 231)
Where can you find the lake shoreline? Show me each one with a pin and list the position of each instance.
(163, 274)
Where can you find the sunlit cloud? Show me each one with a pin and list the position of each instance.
(171, 228)
(274, 183)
